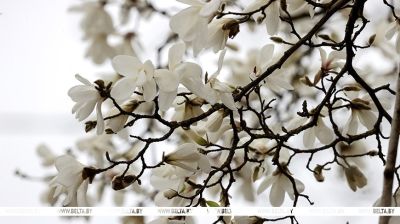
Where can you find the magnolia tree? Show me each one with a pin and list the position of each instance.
(174, 132)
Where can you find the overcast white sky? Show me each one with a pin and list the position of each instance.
(41, 51)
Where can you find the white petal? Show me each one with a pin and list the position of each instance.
(210, 8)
(227, 100)
(123, 88)
(165, 99)
(367, 118)
(204, 164)
(309, 137)
(100, 120)
(277, 194)
(175, 55)
(85, 110)
(183, 22)
(81, 194)
(324, 134)
(272, 18)
(265, 184)
(265, 56)
(276, 81)
(166, 80)
(351, 125)
(83, 80)
(126, 65)
(149, 90)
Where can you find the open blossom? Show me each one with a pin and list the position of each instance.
(99, 50)
(219, 91)
(329, 62)
(275, 82)
(136, 74)
(186, 73)
(280, 185)
(70, 180)
(96, 19)
(218, 32)
(271, 14)
(320, 131)
(191, 23)
(96, 24)
(362, 109)
(188, 158)
(86, 98)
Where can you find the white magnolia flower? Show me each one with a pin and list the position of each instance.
(128, 45)
(218, 32)
(394, 29)
(96, 24)
(276, 81)
(271, 14)
(189, 158)
(188, 108)
(329, 63)
(280, 184)
(170, 180)
(186, 73)
(86, 97)
(70, 180)
(136, 74)
(219, 91)
(96, 19)
(99, 50)
(191, 23)
(362, 111)
(320, 131)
